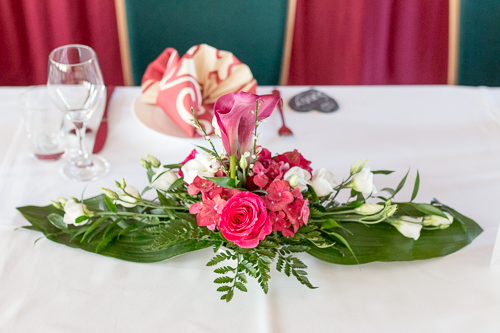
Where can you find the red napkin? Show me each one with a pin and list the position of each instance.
(196, 80)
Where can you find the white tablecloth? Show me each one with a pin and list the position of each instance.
(450, 134)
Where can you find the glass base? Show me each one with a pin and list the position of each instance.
(96, 170)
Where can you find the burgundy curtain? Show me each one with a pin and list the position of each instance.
(346, 42)
(335, 42)
(30, 29)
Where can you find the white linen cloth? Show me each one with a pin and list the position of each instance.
(450, 134)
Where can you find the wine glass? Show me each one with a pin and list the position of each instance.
(76, 87)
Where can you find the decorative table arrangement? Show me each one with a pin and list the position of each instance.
(254, 209)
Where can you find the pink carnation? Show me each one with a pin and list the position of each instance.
(298, 214)
(244, 220)
(200, 185)
(260, 179)
(208, 212)
(294, 158)
(279, 195)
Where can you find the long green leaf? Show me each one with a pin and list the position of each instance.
(383, 172)
(226, 182)
(415, 187)
(401, 184)
(130, 246)
(382, 242)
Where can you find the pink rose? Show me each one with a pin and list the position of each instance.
(244, 220)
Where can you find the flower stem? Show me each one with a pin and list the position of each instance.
(232, 166)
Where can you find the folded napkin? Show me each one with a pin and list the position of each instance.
(196, 80)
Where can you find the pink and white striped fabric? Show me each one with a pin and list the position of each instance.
(196, 80)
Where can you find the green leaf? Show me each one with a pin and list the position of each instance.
(313, 193)
(217, 259)
(384, 172)
(240, 286)
(345, 242)
(206, 150)
(382, 242)
(229, 296)
(111, 226)
(81, 219)
(265, 252)
(429, 209)
(224, 288)
(93, 226)
(463, 220)
(329, 224)
(388, 190)
(224, 270)
(130, 246)
(223, 279)
(146, 189)
(307, 228)
(415, 187)
(242, 277)
(401, 184)
(226, 182)
(57, 221)
(176, 184)
(172, 166)
(297, 248)
(150, 174)
(110, 204)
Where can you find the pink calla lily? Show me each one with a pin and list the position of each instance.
(236, 120)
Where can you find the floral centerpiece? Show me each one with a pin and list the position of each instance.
(255, 209)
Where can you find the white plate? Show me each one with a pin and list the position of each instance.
(153, 117)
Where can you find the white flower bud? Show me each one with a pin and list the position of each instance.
(323, 182)
(301, 180)
(294, 180)
(369, 209)
(127, 200)
(438, 221)
(163, 179)
(57, 204)
(72, 211)
(243, 162)
(408, 226)
(145, 163)
(110, 194)
(153, 160)
(363, 182)
(62, 201)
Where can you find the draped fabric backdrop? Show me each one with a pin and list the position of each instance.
(370, 42)
(335, 42)
(30, 29)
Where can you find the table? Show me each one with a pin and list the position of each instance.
(450, 134)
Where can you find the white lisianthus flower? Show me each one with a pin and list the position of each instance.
(323, 182)
(72, 211)
(408, 226)
(202, 165)
(127, 200)
(216, 127)
(369, 209)
(438, 221)
(363, 182)
(297, 177)
(163, 179)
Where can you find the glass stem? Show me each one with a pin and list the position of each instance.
(83, 157)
